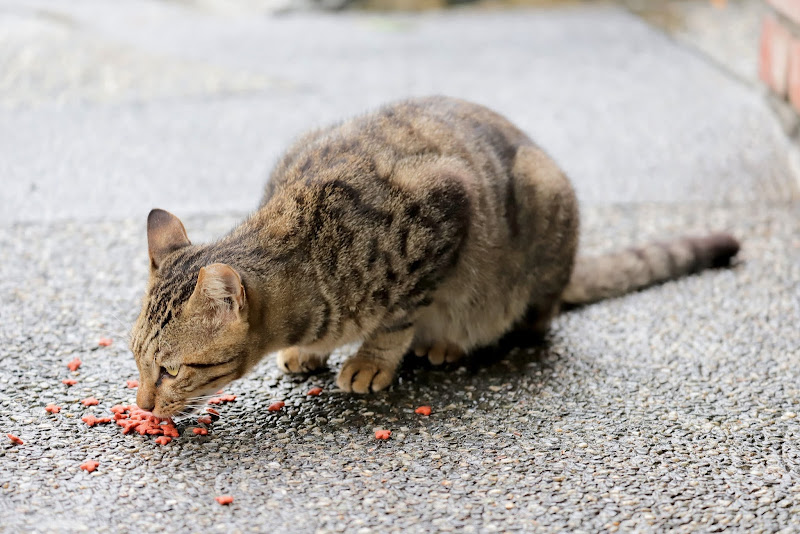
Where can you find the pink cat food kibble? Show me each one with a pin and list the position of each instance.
(131, 418)
(14, 439)
(221, 399)
(134, 419)
(314, 392)
(69, 381)
(105, 342)
(224, 499)
(423, 410)
(52, 408)
(91, 420)
(74, 364)
(89, 465)
(212, 411)
(382, 434)
(132, 384)
(90, 401)
(275, 406)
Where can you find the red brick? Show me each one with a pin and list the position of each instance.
(774, 56)
(789, 8)
(794, 73)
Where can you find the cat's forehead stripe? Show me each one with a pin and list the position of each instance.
(176, 285)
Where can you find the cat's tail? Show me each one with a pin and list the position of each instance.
(611, 275)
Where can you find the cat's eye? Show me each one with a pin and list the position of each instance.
(173, 371)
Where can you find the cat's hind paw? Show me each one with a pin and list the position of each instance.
(364, 375)
(293, 360)
(440, 352)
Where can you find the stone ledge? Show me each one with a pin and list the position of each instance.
(779, 54)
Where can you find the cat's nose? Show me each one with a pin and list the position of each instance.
(145, 401)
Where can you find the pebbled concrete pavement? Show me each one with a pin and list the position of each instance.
(674, 408)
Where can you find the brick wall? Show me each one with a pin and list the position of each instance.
(779, 61)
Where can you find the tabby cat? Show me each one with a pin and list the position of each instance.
(432, 225)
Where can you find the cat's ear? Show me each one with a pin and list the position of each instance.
(165, 234)
(219, 293)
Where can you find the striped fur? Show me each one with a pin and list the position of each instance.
(615, 274)
(431, 225)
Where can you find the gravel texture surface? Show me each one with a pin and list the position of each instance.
(673, 408)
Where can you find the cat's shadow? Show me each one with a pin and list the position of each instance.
(511, 351)
(460, 386)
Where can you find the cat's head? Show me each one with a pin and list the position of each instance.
(191, 337)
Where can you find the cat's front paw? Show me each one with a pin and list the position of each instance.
(293, 360)
(364, 375)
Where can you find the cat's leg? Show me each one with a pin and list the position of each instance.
(295, 360)
(440, 352)
(372, 368)
(432, 337)
(539, 316)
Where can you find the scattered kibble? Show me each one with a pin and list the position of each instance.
(69, 381)
(314, 391)
(212, 411)
(74, 364)
(423, 410)
(221, 399)
(90, 401)
(105, 342)
(91, 420)
(224, 499)
(132, 384)
(89, 465)
(275, 406)
(52, 408)
(14, 439)
(382, 434)
(132, 418)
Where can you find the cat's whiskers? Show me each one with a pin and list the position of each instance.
(203, 398)
(127, 331)
(193, 407)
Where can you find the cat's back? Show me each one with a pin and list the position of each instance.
(374, 145)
